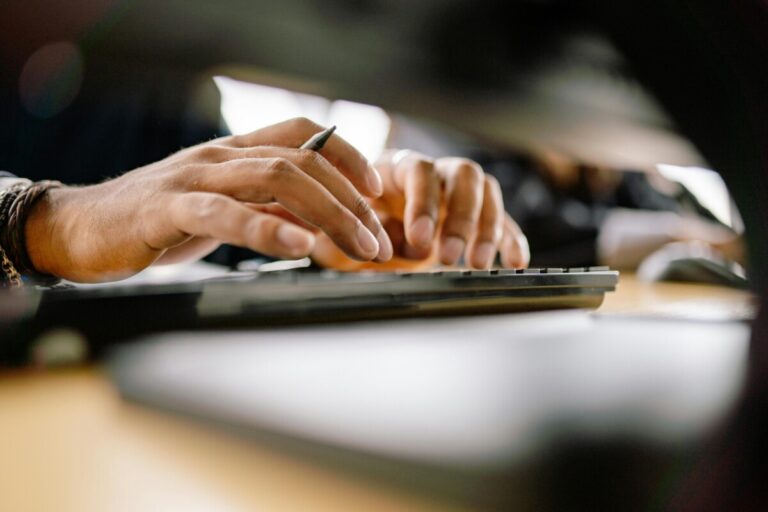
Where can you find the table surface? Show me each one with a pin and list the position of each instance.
(68, 442)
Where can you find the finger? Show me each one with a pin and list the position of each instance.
(280, 211)
(514, 249)
(268, 180)
(396, 233)
(316, 166)
(393, 228)
(481, 252)
(415, 253)
(340, 153)
(464, 185)
(403, 249)
(208, 215)
(416, 179)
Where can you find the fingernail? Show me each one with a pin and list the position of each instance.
(484, 254)
(451, 250)
(294, 238)
(385, 246)
(423, 231)
(374, 181)
(367, 242)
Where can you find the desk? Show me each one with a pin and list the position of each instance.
(68, 443)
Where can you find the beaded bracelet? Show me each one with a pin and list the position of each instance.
(16, 202)
(11, 278)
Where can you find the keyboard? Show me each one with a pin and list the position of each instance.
(116, 312)
(291, 296)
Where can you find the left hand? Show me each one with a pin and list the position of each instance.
(435, 211)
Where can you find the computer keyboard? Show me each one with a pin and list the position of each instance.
(297, 295)
(300, 296)
(103, 315)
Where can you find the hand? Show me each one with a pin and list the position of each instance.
(219, 192)
(437, 211)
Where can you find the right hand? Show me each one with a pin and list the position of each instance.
(436, 210)
(219, 192)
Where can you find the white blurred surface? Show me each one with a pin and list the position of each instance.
(184, 272)
(471, 392)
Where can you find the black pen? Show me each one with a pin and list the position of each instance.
(318, 140)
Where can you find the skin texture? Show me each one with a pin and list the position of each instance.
(256, 191)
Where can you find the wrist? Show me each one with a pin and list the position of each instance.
(46, 232)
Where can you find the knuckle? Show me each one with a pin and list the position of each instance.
(186, 170)
(360, 207)
(185, 177)
(461, 225)
(209, 153)
(278, 169)
(209, 206)
(308, 158)
(422, 165)
(263, 229)
(469, 171)
(301, 123)
(240, 141)
(413, 160)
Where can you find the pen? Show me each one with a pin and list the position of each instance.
(318, 140)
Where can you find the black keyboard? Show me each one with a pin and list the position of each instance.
(104, 315)
(117, 312)
(292, 295)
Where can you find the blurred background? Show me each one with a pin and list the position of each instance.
(590, 115)
(593, 168)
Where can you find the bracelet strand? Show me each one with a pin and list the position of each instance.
(19, 212)
(11, 277)
(16, 202)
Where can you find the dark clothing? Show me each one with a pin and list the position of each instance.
(562, 226)
(112, 126)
